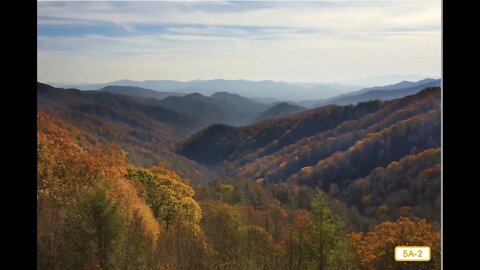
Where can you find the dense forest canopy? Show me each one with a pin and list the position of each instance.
(336, 187)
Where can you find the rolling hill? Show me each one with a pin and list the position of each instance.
(335, 147)
(257, 89)
(138, 92)
(135, 112)
(220, 108)
(263, 188)
(348, 151)
(428, 82)
(240, 103)
(192, 111)
(205, 108)
(219, 143)
(393, 91)
(280, 110)
(145, 130)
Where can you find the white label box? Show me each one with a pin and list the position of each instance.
(412, 253)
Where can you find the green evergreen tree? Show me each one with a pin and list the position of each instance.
(330, 242)
(95, 227)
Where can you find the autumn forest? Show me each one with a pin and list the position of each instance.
(197, 182)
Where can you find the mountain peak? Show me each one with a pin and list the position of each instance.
(110, 87)
(282, 109)
(427, 80)
(195, 95)
(224, 94)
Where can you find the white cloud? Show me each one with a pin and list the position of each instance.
(343, 15)
(280, 41)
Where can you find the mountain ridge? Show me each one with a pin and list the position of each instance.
(371, 93)
(247, 88)
(137, 92)
(280, 110)
(245, 144)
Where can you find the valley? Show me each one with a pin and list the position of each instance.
(253, 169)
(239, 135)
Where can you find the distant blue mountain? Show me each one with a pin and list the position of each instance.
(392, 91)
(138, 92)
(259, 89)
(280, 110)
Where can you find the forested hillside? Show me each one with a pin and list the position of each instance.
(219, 143)
(322, 189)
(386, 92)
(97, 211)
(280, 110)
(144, 129)
(220, 107)
(336, 148)
(239, 135)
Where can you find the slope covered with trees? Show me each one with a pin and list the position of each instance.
(321, 189)
(219, 143)
(144, 129)
(341, 150)
(386, 92)
(97, 210)
(239, 103)
(219, 108)
(128, 110)
(280, 110)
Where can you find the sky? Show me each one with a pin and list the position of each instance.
(318, 41)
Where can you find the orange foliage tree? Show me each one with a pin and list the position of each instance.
(375, 249)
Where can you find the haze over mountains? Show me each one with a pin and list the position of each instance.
(387, 92)
(145, 113)
(280, 110)
(267, 92)
(138, 92)
(374, 161)
(145, 129)
(231, 108)
(340, 149)
(259, 89)
(239, 135)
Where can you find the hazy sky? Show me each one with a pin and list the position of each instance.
(336, 41)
